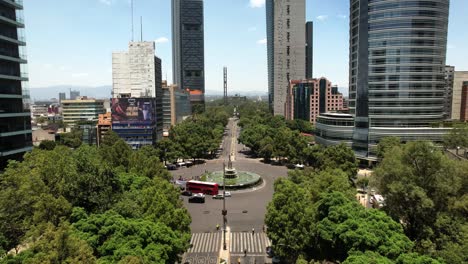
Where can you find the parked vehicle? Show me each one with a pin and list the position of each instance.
(188, 163)
(210, 188)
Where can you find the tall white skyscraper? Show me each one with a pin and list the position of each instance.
(286, 45)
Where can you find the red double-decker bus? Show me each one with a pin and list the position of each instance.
(210, 188)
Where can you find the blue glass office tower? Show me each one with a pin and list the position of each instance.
(397, 60)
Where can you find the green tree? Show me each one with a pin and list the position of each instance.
(386, 144)
(56, 245)
(457, 137)
(47, 145)
(289, 219)
(341, 157)
(423, 190)
(115, 238)
(345, 226)
(368, 257)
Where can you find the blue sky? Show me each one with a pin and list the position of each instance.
(70, 42)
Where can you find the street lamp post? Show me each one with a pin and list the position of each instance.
(224, 212)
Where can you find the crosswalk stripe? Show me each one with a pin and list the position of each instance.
(197, 243)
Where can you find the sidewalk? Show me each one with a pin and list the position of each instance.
(225, 254)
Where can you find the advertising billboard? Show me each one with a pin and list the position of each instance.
(133, 110)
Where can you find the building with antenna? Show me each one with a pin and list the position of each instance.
(188, 55)
(137, 115)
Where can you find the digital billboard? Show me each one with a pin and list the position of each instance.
(133, 110)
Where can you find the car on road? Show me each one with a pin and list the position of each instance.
(188, 163)
(197, 198)
(180, 164)
(221, 196)
(186, 193)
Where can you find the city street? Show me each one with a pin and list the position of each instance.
(245, 209)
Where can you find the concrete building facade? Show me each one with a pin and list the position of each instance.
(137, 74)
(82, 109)
(188, 48)
(15, 120)
(449, 75)
(459, 77)
(286, 48)
(307, 99)
(176, 106)
(104, 126)
(309, 50)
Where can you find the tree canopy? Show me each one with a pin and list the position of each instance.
(88, 205)
(427, 192)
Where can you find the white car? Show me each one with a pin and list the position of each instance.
(198, 195)
(221, 196)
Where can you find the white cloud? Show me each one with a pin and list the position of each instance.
(80, 74)
(342, 16)
(262, 41)
(250, 29)
(322, 17)
(161, 40)
(257, 3)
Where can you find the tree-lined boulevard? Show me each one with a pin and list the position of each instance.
(115, 205)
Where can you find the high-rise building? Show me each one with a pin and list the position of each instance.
(464, 102)
(74, 94)
(449, 72)
(397, 59)
(176, 106)
(286, 48)
(137, 110)
(309, 98)
(458, 78)
(309, 50)
(188, 55)
(62, 96)
(15, 120)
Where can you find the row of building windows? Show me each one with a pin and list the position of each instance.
(423, 23)
(375, 6)
(406, 42)
(412, 78)
(407, 13)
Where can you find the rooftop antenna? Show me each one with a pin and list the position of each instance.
(141, 28)
(132, 20)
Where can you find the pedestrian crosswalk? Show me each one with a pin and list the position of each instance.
(252, 243)
(205, 242)
(238, 242)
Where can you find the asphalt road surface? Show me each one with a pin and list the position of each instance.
(245, 209)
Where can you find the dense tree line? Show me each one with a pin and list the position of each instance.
(270, 136)
(428, 193)
(91, 205)
(315, 217)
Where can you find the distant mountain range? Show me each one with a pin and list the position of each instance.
(46, 93)
(102, 92)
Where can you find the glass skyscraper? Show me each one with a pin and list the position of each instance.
(15, 120)
(396, 69)
(188, 49)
